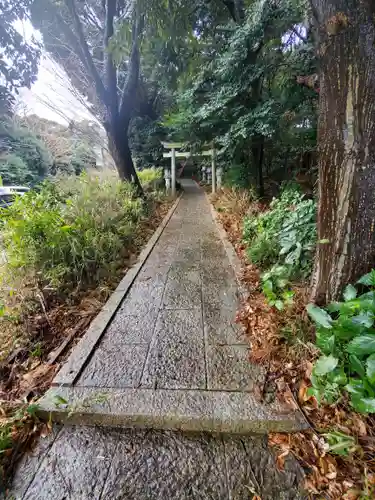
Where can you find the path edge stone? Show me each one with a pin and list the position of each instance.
(166, 409)
(81, 353)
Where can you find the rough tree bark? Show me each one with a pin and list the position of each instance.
(345, 32)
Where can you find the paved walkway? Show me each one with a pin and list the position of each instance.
(171, 358)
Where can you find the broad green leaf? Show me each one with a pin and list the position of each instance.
(317, 393)
(340, 443)
(363, 405)
(366, 319)
(325, 364)
(356, 365)
(370, 368)
(368, 295)
(320, 316)
(338, 376)
(356, 387)
(325, 341)
(334, 306)
(368, 279)
(350, 293)
(279, 304)
(362, 345)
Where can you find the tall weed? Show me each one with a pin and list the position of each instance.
(72, 232)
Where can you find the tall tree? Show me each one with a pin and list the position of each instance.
(80, 36)
(246, 96)
(18, 58)
(345, 32)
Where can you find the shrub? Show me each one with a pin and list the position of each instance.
(152, 177)
(30, 151)
(150, 174)
(13, 170)
(346, 338)
(72, 232)
(283, 237)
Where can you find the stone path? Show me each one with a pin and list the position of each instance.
(171, 359)
(86, 463)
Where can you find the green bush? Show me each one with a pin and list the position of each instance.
(31, 153)
(346, 337)
(281, 241)
(72, 232)
(13, 170)
(150, 176)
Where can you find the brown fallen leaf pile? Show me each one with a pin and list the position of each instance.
(283, 343)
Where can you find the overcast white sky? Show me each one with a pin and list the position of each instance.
(51, 90)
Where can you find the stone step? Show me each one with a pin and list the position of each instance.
(182, 410)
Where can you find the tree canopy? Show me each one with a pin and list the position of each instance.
(18, 58)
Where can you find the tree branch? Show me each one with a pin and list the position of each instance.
(132, 78)
(109, 68)
(301, 37)
(88, 61)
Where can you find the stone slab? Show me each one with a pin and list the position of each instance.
(80, 354)
(142, 297)
(175, 365)
(117, 367)
(220, 327)
(229, 369)
(76, 467)
(165, 465)
(220, 295)
(153, 465)
(31, 462)
(183, 289)
(209, 411)
(135, 329)
(251, 471)
(230, 250)
(176, 358)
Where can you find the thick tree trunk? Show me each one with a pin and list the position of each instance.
(258, 159)
(118, 145)
(346, 214)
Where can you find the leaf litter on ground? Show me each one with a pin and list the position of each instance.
(337, 453)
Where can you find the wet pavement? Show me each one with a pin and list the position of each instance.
(172, 359)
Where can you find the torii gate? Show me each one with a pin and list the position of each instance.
(173, 154)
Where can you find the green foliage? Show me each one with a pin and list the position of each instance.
(276, 286)
(340, 443)
(59, 236)
(247, 94)
(237, 176)
(282, 237)
(27, 160)
(18, 58)
(346, 337)
(13, 170)
(151, 176)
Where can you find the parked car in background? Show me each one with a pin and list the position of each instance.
(7, 194)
